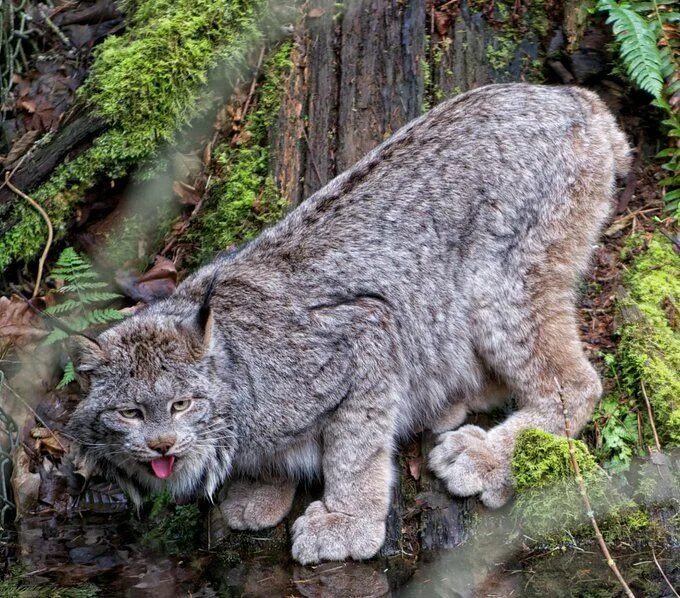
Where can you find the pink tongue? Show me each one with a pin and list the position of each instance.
(163, 467)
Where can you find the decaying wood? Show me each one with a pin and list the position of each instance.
(70, 141)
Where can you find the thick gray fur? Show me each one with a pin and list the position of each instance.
(434, 278)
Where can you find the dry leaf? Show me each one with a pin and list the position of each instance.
(315, 13)
(157, 283)
(18, 324)
(188, 195)
(25, 485)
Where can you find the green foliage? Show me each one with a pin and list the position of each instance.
(146, 83)
(68, 376)
(639, 49)
(649, 40)
(245, 199)
(81, 291)
(172, 529)
(16, 585)
(618, 433)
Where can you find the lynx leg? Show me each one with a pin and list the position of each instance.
(257, 504)
(349, 522)
(452, 418)
(539, 370)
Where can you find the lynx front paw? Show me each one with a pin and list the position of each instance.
(468, 464)
(257, 505)
(320, 535)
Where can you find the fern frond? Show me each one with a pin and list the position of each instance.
(81, 286)
(639, 50)
(104, 316)
(54, 336)
(97, 296)
(68, 376)
(64, 307)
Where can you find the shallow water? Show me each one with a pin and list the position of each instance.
(105, 550)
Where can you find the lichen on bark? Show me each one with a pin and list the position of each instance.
(245, 198)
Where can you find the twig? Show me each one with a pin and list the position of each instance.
(586, 500)
(658, 566)
(631, 181)
(50, 231)
(253, 84)
(651, 416)
(59, 33)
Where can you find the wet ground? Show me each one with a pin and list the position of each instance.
(163, 554)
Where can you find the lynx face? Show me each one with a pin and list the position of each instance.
(150, 417)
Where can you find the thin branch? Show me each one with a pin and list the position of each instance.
(651, 416)
(253, 84)
(586, 500)
(50, 230)
(658, 566)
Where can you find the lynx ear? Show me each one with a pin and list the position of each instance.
(200, 326)
(87, 355)
(205, 323)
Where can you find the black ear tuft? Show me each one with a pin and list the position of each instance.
(204, 311)
(204, 318)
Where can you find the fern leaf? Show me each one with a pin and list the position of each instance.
(103, 316)
(97, 296)
(68, 376)
(81, 286)
(55, 336)
(65, 306)
(639, 50)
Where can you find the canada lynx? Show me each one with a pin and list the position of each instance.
(433, 278)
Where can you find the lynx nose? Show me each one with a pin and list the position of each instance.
(162, 444)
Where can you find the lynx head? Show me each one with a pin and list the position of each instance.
(157, 412)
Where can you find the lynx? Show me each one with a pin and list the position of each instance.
(434, 278)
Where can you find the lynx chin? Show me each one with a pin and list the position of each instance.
(434, 278)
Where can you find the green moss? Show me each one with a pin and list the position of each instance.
(245, 198)
(171, 529)
(542, 459)
(549, 507)
(649, 349)
(146, 83)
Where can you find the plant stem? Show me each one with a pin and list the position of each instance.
(50, 231)
(586, 500)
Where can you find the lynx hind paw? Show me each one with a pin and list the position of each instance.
(467, 463)
(320, 535)
(254, 506)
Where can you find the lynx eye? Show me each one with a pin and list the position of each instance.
(182, 405)
(131, 413)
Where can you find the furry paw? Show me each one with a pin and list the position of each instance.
(320, 535)
(469, 464)
(257, 505)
